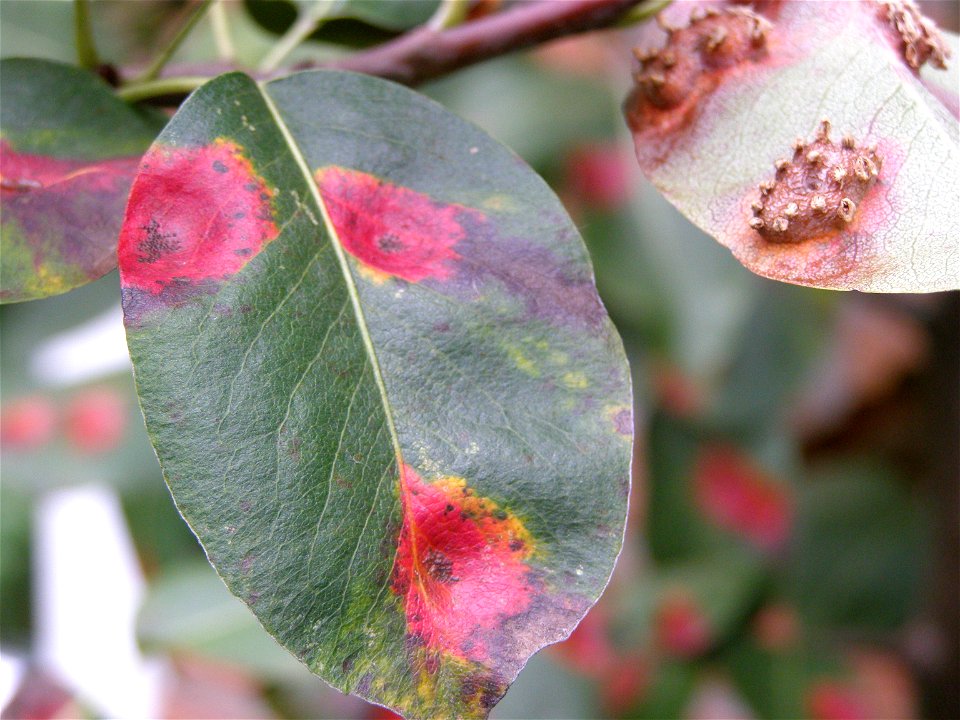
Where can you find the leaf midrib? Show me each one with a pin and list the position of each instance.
(344, 267)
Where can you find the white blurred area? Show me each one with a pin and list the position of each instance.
(88, 583)
(87, 593)
(90, 351)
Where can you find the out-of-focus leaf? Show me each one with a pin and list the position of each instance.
(775, 350)
(685, 609)
(382, 387)
(43, 30)
(706, 493)
(786, 681)
(189, 610)
(715, 112)
(540, 137)
(671, 686)
(858, 556)
(69, 150)
(15, 513)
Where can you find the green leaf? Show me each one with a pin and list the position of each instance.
(837, 212)
(379, 380)
(70, 150)
(861, 550)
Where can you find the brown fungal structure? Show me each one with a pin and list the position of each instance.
(713, 40)
(817, 191)
(920, 40)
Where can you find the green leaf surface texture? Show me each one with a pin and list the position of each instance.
(382, 387)
(69, 152)
(734, 136)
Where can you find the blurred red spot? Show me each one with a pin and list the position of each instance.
(460, 566)
(682, 629)
(598, 175)
(588, 650)
(827, 700)
(776, 627)
(676, 391)
(740, 498)
(96, 420)
(195, 213)
(392, 229)
(27, 423)
(624, 686)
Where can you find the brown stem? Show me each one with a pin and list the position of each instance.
(426, 53)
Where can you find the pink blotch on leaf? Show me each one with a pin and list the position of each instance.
(28, 172)
(460, 566)
(392, 229)
(740, 498)
(195, 214)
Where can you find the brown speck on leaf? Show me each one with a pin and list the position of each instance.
(847, 210)
(439, 566)
(812, 195)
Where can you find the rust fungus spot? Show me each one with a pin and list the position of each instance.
(916, 36)
(712, 41)
(818, 191)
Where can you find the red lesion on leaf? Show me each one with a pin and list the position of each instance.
(461, 566)
(672, 81)
(392, 230)
(195, 214)
(837, 241)
(738, 497)
(30, 172)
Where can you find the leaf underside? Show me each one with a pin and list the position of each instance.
(709, 137)
(69, 150)
(381, 385)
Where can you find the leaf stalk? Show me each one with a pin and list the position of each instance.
(164, 55)
(87, 56)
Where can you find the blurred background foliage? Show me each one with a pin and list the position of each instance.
(792, 545)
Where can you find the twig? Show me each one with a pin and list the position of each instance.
(307, 21)
(83, 34)
(157, 65)
(426, 53)
(221, 32)
(177, 87)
